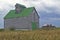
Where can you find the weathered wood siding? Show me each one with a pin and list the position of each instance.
(22, 22)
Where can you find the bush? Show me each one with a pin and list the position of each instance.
(12, 29)
(1, 29)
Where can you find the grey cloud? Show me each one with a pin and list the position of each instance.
(38, 4)
(54, 19)
(31, 0)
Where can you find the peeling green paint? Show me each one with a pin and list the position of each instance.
(24, 12)
(34, 25)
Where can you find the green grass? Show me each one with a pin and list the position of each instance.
(25, 12)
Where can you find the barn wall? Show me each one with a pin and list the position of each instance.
(18, 23)
(22, 22)
(36, 18)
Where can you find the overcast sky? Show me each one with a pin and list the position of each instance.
(49, 10)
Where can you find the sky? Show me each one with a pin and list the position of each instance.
(48, 10)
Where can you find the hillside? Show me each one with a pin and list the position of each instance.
(31, 35)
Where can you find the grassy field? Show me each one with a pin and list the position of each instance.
(31, 35)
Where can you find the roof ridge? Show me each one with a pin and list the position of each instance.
(25, 12)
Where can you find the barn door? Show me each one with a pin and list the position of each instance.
(34, 25)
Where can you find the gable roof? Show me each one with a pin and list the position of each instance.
(25, 12)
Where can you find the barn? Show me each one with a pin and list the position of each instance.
(22, 18)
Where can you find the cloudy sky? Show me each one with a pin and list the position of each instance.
(48, 10)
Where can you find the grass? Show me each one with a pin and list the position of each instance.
(31, 35)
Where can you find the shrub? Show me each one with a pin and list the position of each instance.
(12, 28)
(1, 29)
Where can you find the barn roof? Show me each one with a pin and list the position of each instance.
(25, 12)
(17, 4)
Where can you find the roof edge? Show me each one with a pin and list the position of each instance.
(36, 12)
